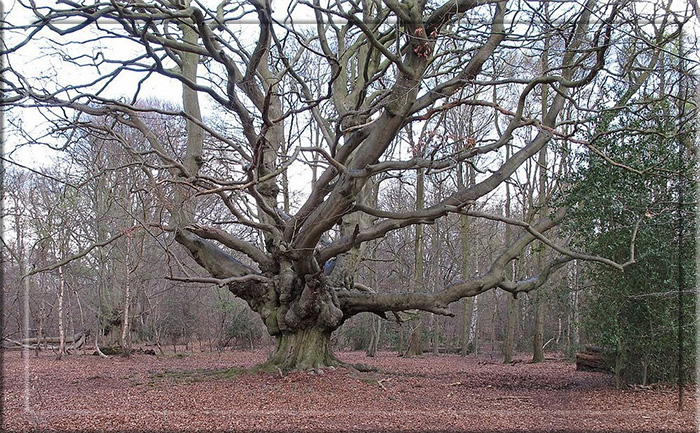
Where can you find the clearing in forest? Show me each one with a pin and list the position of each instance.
(211, 391)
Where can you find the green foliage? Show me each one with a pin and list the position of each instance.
(636, 311)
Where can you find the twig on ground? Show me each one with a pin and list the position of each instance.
(379, 382)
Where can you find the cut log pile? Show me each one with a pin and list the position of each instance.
(595, 358)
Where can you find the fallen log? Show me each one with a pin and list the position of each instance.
(597, 359)
(55, 340)
(70, 343)
(116, 350)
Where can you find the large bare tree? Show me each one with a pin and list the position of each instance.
(265, 94)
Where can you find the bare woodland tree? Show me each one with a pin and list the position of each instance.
(267, 98)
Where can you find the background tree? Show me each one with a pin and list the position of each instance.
(636, 313)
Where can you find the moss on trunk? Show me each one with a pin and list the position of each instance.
(303, 350)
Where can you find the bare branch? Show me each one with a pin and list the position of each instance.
(222, 282)
(217, 262)
(82, 253)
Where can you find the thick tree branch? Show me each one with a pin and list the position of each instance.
(352, 303)
(536, 281)
(234, 243)
(355, 302)
(221, 282)
(218, 263)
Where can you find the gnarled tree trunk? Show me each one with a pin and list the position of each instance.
(304, 349)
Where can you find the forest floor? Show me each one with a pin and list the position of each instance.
(211, 391)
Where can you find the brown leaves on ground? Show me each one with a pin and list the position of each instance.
(209, 391)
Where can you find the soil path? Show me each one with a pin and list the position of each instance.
(194, 392)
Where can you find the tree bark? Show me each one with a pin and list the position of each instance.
(40, 331)
(61, 330)
(415, 347)
(307, 349)
(511, 301)
(375, 321)
(596, 359)
(376, 327)
(510, 329)
(538, 338)
(436, 334)
(126, 322)
(415, 341)
(468, 303)
(471, 344)
(472, 325)
(576, 340)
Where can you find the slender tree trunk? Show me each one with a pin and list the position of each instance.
(285, 190)
(61, 330)
(375, 322)
(576, 340)
(494, 317)
(575, 325)
(415, 342)
(570, 309)
(512, 305)
(126, 323)
(467, 306)
(472, 325)
(434, 318)
(378, 333)
(556, 340)
(620, 361)
(97, 346)
(376, 328)
(314, 158)
(538, 340)
(467, 303)
(69, 316)
(511, 301)
(474, 314)
(415, 347)
(40, 331)
(26, 285)
(436, 334)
